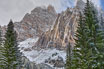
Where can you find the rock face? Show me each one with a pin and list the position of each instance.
(80, 4)
(30, 65)
(62, 32)
(27, 64)
(59, 63)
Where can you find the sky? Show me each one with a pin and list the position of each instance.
(16, 9)
(102, 4)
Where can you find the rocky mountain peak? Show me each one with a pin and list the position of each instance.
(62, 32)
(80, 4)
(51, 9)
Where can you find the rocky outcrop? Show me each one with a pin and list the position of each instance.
(80, 4)
(31, 65)
(59, 63)
(27, 64)
(62, 32)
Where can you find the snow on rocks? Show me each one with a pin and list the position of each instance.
(27, 44)
(41, 56)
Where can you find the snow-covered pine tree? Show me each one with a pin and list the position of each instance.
(68, 57)
(11, 51)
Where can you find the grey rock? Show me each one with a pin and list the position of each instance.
(31, 65)
(27, 49)
(80, 4)
(43, 66)
(27, 64)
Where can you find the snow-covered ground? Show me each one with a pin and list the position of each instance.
(41, 55)
(27, 43)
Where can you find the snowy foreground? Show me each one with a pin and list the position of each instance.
(39, 56)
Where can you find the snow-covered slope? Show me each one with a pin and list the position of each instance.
(41, 56)
(27, 43)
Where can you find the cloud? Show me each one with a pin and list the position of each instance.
(13, 9)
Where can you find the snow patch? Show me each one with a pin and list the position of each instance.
(41, 56)
(27, 43)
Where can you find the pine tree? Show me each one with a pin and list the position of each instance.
(101, 49)
(102, 22)
(68, 57)
(18, 54)
(92, 24)
(11, 51)
(82, 50)
(0, 37)
(1, 50)
(98, 36)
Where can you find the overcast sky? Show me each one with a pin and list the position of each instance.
(16, 9)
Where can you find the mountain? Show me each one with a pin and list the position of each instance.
(43, 35)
